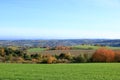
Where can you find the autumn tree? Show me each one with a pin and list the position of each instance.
(65, 56)
(117, 56)
(51, 59)
(103, 55)
(2, 52)
(48, 59)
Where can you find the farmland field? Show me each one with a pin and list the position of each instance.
(85, 47)
(90, 47)
(35, 50)
(72, 52)
(86, 71)
(76, 50)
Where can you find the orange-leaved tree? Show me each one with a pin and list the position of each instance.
(117, 55)
(51, 59)
(103, 55)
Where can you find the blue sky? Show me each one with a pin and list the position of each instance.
(59, 19)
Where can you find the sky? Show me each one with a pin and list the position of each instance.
(59, 19)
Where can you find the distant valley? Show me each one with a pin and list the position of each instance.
(66, 42)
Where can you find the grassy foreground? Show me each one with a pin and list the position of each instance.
(88, 71)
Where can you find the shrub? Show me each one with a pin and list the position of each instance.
(48, 59)
(43, 60)
(18, 59)
(9, 57)
(103, 55)
(51, 59)
(62, 61)
(2, 52)
(79, 59)
(87, 57)
(117, 56)
(2, 59)
(27, 57)
(65, 56)
(35, 56)
(34, 60)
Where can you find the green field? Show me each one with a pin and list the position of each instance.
(85, 47)
(35, 50)
(90, 47)
(88, 71)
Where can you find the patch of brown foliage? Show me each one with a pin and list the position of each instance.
(117, 56)
(18, 59)
(2, 52)
(51, 59)
(48, 59)
(62, 48)
(103, 55)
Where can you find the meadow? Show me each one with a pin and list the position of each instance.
(35, 50)
(91, 47)
(83, 71)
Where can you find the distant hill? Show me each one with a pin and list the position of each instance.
(66, 42)
(114, 43)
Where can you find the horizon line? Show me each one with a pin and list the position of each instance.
(63, 39)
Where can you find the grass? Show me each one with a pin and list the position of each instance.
(35, 50)
(88, 71)
(85, 47)
(114, 48)
(90, 47)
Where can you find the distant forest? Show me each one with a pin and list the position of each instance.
(52, 43)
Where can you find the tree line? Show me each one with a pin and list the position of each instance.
(9, 55)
